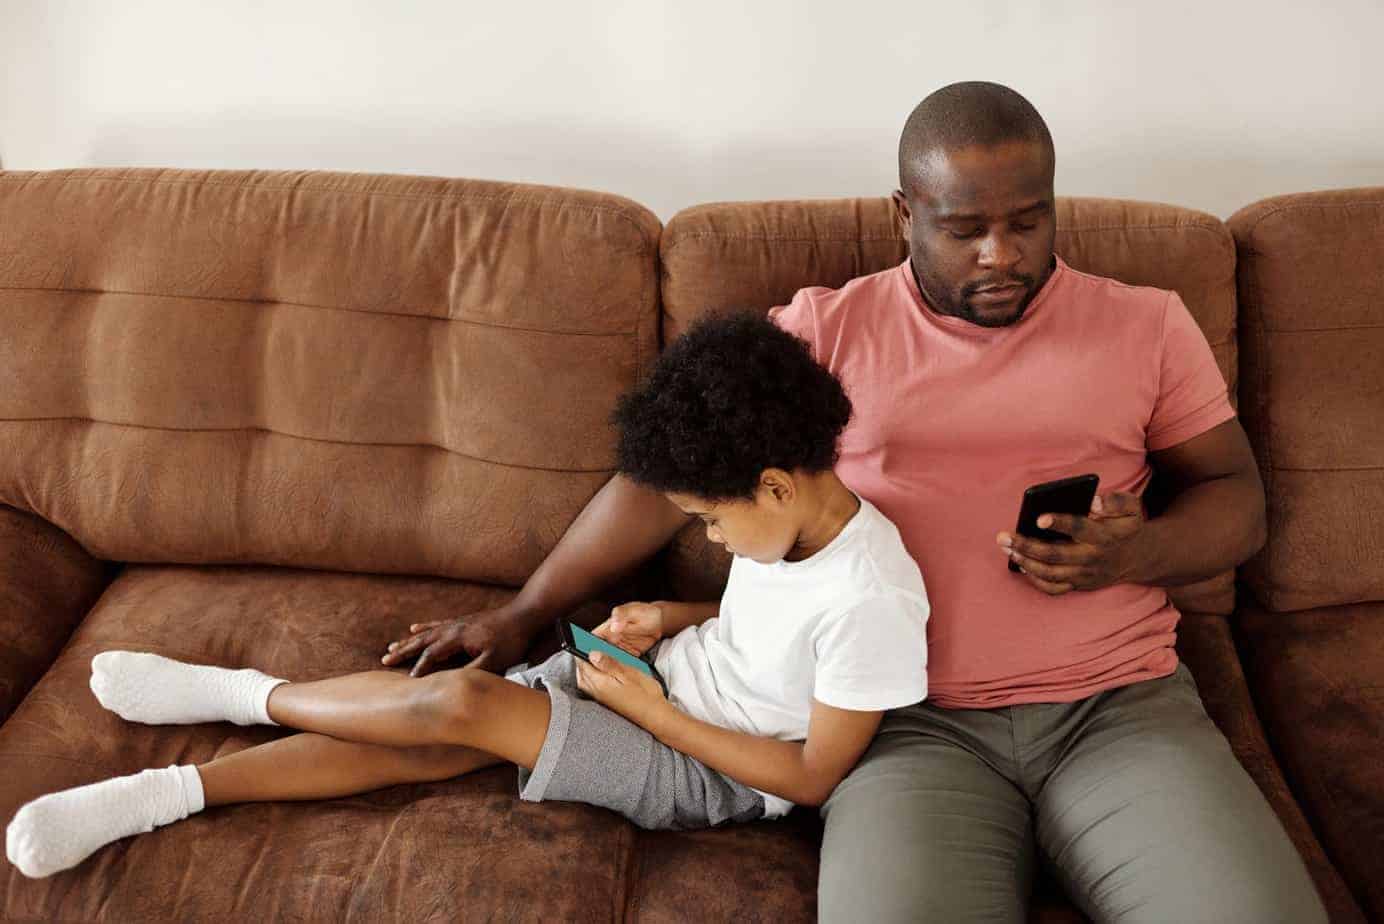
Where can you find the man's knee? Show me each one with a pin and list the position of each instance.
(1275, 893)
(1273, 897)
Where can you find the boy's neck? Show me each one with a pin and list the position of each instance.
(831, 505)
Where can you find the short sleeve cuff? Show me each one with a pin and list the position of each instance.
(872, 700)
(1208, 417)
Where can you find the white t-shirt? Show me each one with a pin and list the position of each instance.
(847, 627)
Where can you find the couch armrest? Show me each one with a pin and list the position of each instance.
(47, 584)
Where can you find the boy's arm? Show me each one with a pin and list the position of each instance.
(678, 615)
(803, 772)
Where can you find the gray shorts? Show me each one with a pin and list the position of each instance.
(594, 755)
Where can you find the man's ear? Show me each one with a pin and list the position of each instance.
(903, 214)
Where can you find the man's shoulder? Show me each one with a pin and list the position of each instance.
(883, 284)
(822, 315)
(862, 291)
(1099, 291)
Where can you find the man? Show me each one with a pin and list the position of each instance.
(1059, 722)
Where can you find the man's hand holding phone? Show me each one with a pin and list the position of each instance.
(1105, 548)
(633, 627)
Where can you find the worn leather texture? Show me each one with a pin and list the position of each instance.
(47, 584)
(1312, 637)
(1316, 676)
(356, 372)
(466, 849)
(1312, 320)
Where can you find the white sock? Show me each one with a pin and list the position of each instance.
(60, 830)
(147, 688)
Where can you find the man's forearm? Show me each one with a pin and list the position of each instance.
(622, 526)
(1208, 528)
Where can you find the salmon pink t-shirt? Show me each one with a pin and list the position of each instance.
(953, 421)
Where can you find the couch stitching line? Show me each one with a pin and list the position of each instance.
(270, 301)
(852, 238)
(311, 439)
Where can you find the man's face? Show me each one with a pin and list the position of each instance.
(980, 226)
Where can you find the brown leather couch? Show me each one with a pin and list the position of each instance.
(269, 419)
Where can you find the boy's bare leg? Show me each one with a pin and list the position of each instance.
(456, 707)
(313, 766)
(59, 830)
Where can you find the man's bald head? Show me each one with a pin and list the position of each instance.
(965, 115)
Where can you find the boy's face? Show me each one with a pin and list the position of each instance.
(763, 529)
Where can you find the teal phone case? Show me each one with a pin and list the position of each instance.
(586, 643)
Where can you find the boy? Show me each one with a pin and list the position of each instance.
(774, 693)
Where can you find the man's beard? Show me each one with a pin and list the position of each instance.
(966, 311)
(961, 307)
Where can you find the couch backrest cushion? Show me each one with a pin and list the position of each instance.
(754, 255)
(1312, 316)
(345, 371)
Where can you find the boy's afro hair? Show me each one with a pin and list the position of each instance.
(731, 397)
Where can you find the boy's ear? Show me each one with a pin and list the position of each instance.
(778, 483)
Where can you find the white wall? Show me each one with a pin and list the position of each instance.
(1207, 104)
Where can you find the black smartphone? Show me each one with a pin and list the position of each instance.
(580, 643)
(1066, 495)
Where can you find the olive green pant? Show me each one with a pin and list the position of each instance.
(1131, 797)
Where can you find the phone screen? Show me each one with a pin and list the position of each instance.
(585, 643)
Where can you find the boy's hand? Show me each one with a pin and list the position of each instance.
(632, 693)
(634, 627)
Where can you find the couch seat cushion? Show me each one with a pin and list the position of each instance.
(442, 851)
(1318, 679)
(428, 851)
